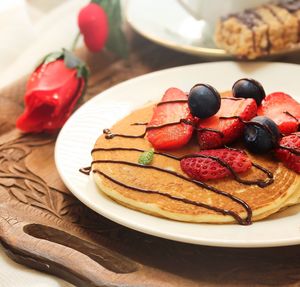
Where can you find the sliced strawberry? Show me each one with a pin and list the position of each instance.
(291, 158)
(283, 110)
(230, 129)
(200, 168)
(172, 136)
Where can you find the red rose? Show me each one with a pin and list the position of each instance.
(52, 92)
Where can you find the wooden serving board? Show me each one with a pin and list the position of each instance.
(44, 227)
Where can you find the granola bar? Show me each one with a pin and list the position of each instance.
(260, 31)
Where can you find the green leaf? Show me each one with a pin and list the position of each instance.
(83, 72)
(146, 157)
(116, 42)
(50, 58)
(53, 57)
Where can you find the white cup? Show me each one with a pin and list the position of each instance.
(212, 10)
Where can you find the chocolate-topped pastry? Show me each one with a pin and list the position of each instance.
(260, 31)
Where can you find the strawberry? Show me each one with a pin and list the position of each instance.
(172, 136)
(230, 129)
(200, 168)
(94, 26)
(276, 106)
(289, 158)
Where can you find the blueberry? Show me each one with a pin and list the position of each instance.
(261, 134)
(249, 88)
(204, 101)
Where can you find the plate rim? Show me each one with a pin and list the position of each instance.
(197, 50)
(215, 242)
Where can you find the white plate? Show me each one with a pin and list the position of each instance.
(77, 138)
(168, 24)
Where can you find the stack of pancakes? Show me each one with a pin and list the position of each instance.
(283, 192)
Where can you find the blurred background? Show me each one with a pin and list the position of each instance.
(32, 28)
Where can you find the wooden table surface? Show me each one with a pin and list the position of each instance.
(43, 226)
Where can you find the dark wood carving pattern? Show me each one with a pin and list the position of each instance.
(43, 226)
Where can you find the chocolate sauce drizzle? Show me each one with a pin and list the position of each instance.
(292, 7)
(110, 135)
(269, 8)
(86, 170)
(171, 102)
(139, 124)
(266, 128)
(241, 221)
(250, 18)
(232, 98)
(260, 183)
(185, 121)
(292, 150)
(274, 140)
(292, 116)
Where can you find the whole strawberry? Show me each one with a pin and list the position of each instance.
(289, 151)
(204, 168)
(93, 25)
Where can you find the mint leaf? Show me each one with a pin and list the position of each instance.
(116, 41)
(146, 157)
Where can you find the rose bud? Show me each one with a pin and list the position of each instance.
(52, 92)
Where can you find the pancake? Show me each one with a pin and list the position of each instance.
(133, 185)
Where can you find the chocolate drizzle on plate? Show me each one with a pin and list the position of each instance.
(86, 170)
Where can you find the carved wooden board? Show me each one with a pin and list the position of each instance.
(43, 226)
